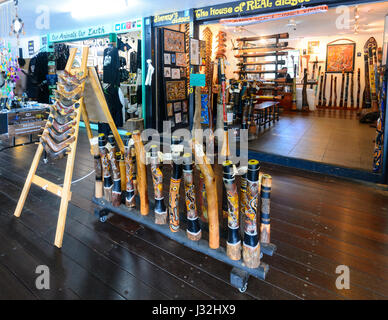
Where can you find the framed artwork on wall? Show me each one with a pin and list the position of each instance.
(313, 47)
(177, 106)
(170, 112)
(174, 41)
(194, 52)
(340, 57)
(184, 106)
(178, 118)
(167, 72)
(175, 73)
(175, 90)
(180, 59)
(167, 58)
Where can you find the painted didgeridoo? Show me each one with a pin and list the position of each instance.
(352, 90)
(324, 91)
(346, 91)
(141, 173)
(193, 231)
(331, 92)
(98, 192)
(358, 87)
(251, 245)
(202, 199)
(130, 201)
(211, 194)
(108, 183)
(342, 90)
(233, 245)
(173, 202)
(265, 226)
(116, 192)
(157, 179)
(335, 92)
(320, 91)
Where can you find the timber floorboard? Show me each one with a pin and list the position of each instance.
(317, 222)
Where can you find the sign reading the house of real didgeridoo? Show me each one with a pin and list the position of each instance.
(251, 7)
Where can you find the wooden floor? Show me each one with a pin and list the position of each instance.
(318, 223)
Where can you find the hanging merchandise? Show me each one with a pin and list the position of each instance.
(17, 26)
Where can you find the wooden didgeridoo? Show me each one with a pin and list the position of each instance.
(130, 200)
(324, 91)
(342, 90)
(108, 183)
(141, 173)
(98, 191)
(331, 91)
(305, 105)
(116, 192)
(251, 244)
(335, 92)
(157, 179)
(202, 198)
(265, 226)
(173, 203)
(193, 230)
(346, 91)
(320, 91)
(358, 87)
(233, 244)
(211, 194)
(352, 90)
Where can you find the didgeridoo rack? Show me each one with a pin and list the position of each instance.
(239, 274)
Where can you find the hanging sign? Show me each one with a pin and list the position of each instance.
(276, 16)
(83, 33)
(241, 8)
(176, 17)
(128, 26)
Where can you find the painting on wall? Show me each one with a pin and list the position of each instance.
(194, 52)
(340, 57)
(174, 41)
(313, 47)
(180, 60)
(176, 90)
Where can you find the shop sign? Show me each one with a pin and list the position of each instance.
(83, 33)
(176, 17)
(251, 7)
(127, 26)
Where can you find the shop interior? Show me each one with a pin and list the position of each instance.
(129, 45)
(320, 111)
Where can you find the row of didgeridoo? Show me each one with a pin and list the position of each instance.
(245, 205)
(347, 85)
(58, 134)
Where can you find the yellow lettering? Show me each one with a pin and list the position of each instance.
(250, 5)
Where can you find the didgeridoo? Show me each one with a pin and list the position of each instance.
(108, 183)
(233, 245)
(173, 203)
(116, 192)
(157, 179)
(251, 245)
(129, 168)
(141, 173)
(202, 199)
(211, 194)
(98, 192)
(265, 226)
(193, 231)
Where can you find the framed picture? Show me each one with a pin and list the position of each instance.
(170, 112)
(180, 59)
(194, 52)
(183, 72)
(173, 60)
(185, 118)
(202, 51)
(340, 57)
(184, 106)
(177, 106)
(167, 72)
(313, 47)
(178, 118)
(175, 73)
(176, 90)
(167, 58)
(174, 41)
(172, 120)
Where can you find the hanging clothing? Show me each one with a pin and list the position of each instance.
(133, 62)
(111, 68)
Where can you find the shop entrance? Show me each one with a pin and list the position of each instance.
(323, 76)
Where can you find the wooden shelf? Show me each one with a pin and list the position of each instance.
(273, 36)
(271, 46)
(266, 50)
(281, 62)
(261, 55)
(259, 72)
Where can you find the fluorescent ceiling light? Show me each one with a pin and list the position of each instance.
(81, 9)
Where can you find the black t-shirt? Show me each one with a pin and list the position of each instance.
(111, 73)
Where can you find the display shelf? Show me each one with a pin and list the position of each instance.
(239, 269)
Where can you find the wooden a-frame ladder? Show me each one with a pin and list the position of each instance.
(65, 192)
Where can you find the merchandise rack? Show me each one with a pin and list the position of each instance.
(239, 275)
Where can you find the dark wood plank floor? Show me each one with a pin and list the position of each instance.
(318, 223)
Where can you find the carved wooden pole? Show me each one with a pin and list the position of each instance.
(116, 192)
(108, 183)
(130, 201)
(265, 227)
(141, 173)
